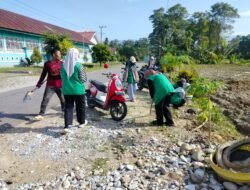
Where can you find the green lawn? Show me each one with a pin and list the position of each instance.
(36, 70)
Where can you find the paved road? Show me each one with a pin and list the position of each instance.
(13, 111)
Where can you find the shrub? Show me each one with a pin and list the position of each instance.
(36, 56)
(88, 65)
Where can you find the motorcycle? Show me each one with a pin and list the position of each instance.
(109, 97)
(142, 81)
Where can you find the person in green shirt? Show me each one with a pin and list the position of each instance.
(163, 94)
(73, 78)
(131, 77)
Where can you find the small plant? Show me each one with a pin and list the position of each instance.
(36, 56)
(190, 74)
(202, 89)
(101, 165)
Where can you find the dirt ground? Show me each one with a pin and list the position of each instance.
(234, 98)
(35, 151)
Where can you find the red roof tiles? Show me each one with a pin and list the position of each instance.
(13, 21)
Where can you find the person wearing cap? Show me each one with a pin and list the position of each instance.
(163, 94)
(131, 77)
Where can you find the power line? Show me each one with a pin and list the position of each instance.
(101, 32)
(43, 13)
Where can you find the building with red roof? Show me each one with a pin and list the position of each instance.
(19, 35)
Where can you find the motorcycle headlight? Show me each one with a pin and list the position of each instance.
(118, 84)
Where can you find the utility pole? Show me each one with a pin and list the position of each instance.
(101, 28)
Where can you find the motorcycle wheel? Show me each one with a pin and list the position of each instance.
(118, 110)
(140, 84)
(89, 103)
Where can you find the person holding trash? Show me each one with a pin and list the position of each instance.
(54, 82)
(73, 78)
(163, 94)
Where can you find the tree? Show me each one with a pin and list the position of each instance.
(36, 56)
(106, 41)
(169, 30)
(61, 42)
(243, 46)
(222, 16)
(101, 53)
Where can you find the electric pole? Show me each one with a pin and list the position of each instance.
(101, 28)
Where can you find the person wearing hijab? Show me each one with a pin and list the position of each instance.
(163, 94)
(131, 77)
(151, 62)
(73, 78)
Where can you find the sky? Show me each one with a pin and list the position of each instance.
(122, 19)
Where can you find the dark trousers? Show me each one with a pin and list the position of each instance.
(49, 91)
(162, 109)
(79, 101)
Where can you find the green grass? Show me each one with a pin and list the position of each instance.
(36, 70)
(100, 163)
(97, 67)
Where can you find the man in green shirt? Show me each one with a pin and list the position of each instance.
(162, 93)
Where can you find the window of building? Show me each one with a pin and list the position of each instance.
(1, 43)
(31, 44)
(14, 43)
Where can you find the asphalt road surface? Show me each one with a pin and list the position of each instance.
(14, 111)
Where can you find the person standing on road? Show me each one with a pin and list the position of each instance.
(131, 77)
(54, 82)
(151, 62)
(73, 78)
(163, 94)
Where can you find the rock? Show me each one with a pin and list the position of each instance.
(121, 167)
(133, 185)
(68, 151)
(79, 175)
(198, 165)
(162, 171)
(190, 187)
(40, 188)
(185, 147)
(66, 184)
(215, 187)
(198, 176)
(126, 179)
(245, 187)
(184, 159)
(117, 184)
(198, 156)
(77, 168)
(199, 173)
(139, 163)
(179, 143)
(195, 179)
(150, 176)
(129, 167)
(230, 186)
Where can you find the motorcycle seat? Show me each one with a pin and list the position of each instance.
(99, 85)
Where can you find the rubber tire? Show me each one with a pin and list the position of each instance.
(88, 101)
(227, 153)
(114, 104)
